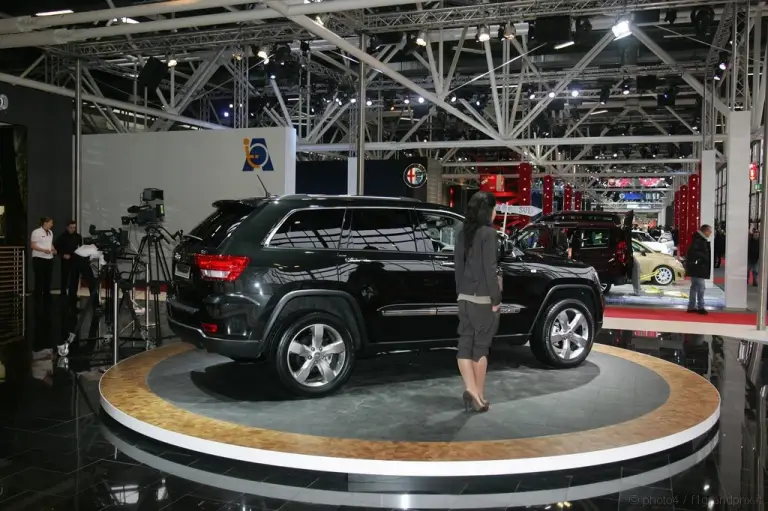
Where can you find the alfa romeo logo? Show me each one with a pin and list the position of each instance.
(415, 175)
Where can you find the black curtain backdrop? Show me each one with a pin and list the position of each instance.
(50, 129)
(383, 178)
(12, 196)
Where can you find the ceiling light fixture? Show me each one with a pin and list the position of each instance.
(407, 101)
(421, 39)
(575, 92)
(262, 53)
(551, 94)
(565, 44)
(531, 94)
(421, 100)
(483, 34)
(453, 98)
(509, 31)
(369, 102)
(321, 19)
(353, 100)
(598, 112)
(621, 29)
(172, 62)
(55, 13)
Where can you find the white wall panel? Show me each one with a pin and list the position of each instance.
(194, 168)
(737, 209)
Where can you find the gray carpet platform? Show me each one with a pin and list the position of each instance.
(417, 396)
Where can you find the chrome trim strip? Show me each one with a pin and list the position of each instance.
(398, 311)
(453, 310)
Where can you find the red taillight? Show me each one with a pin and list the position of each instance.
(221, 267)
(621, 252)
(210, 328)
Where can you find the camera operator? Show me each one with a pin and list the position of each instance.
(66, 244)
(81, 260)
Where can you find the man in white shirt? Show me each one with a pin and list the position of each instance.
(41, 243)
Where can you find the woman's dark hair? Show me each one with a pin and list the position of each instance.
(479, 213)
(44, 220)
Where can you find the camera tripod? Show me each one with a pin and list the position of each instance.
(151, 260)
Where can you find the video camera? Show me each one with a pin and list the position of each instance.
(109, 241)
(150, 211)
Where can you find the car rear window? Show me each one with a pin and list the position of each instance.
(221, 223)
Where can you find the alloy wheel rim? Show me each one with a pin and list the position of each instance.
(663, 276)
(569, 334)
(316, 355)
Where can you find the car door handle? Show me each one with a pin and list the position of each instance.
(356, 260)
(447, 263)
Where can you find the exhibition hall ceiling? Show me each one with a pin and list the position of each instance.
(523, 69)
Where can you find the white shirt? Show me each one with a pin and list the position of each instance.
(44, 240)
(91, 252)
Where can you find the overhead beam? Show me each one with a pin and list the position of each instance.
(655, 161)
(121, 105)
(696, 85)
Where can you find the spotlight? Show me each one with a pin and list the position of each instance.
(172, 62)
(625, 88)
(723, 66)
(321, 19)
(477, 102)
(421, 39)
(353, 100)
(509, 31)
(605, 94)
(702, 19)
(453, 98)
(272, 75)
(551, 94)
(226, 114)
(671, 16)
(621, 29)
(369, 102)
(483, 34)
(421, 100)
(262, 53)
(531, 94)
(565, 44)
(575, 93)
(407, 101)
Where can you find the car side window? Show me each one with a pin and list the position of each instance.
(310, 228)
(436, 232)
(533, 238)
(595, 238)
(379, 229)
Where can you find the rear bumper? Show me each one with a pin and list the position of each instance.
(235, 349)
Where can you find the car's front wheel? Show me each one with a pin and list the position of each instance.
(605, 287)
(564, 336)
(663, 276)
(314, 354)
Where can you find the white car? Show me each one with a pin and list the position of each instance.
(657, 246)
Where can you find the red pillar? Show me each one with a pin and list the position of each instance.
(568, 198)
(577, 201)
(524, 172)
(547, 194)
(694, 204)
(684, 235)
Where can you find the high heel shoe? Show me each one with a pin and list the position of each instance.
(470, 403)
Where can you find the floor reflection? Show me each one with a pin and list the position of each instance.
(58, 452)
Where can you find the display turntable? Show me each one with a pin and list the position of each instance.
(401, 414)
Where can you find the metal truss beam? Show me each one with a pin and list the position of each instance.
(655, 161)
(242, 91)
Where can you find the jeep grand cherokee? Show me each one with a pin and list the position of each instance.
(308, 282)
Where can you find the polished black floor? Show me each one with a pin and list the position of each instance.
(58, 452)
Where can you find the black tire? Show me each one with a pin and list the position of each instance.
(653, 279)
(605, 287)
(545, 351)
(333, 330)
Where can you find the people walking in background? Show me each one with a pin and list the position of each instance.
(66, 244)
(719, 246)
(479, 290)
(41, 243)
(698, 265)
(753, 256)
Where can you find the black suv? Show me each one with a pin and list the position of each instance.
(309, 282)
(601, 240)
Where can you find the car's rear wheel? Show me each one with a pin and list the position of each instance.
(564, 336)
(314, 354)
(663, 276)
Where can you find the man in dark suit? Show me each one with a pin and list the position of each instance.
(66, 244)
(698, 265)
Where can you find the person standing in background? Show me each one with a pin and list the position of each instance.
(698, 266)
(753, 256)
(41, 243)
(719, 246)
(66, 244)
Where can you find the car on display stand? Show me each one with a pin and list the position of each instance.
(664, 247)
(603, 241)
(309, 283)
(658, 268)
